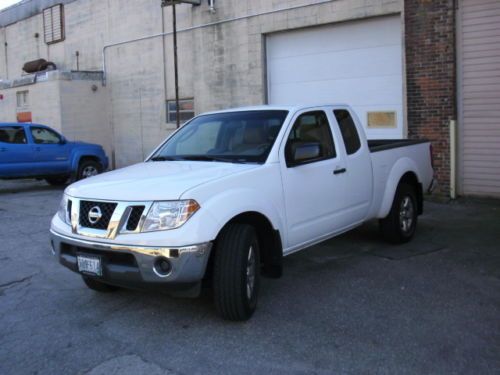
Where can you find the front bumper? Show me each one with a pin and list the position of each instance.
(134, 266)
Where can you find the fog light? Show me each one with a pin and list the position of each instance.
(162, 267)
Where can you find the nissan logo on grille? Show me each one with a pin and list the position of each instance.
(95, 214)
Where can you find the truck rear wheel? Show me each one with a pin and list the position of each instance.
(400, 224)
(98, 286)
(236, 277)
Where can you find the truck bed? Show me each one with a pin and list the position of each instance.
(376, 145)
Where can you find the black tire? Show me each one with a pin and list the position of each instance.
(400, 224)
(98, 286)
(57, 180)
(234, 299)
(87, 165)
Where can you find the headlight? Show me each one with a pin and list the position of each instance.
(169, 214)
(63, 211)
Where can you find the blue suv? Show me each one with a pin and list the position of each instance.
(36, 151)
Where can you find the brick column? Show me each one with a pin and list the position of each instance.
(431, 78)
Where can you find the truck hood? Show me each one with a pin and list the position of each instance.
(163, 180)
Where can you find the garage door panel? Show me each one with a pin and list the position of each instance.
(342, 65)
(357, 63)
(378, 91)
(348, 36)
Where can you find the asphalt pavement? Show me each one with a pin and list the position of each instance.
(351, 305)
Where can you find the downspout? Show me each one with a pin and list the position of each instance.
(164, 59)
(163, 33)
(453, 123)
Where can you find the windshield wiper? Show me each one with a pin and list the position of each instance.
(210, 158)
(163, 158)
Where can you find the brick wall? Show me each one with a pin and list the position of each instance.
(431, 77)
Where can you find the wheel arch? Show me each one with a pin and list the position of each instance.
(271, 249)
(406, 171)
(80, 157)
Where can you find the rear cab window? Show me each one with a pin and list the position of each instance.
(348, 130)
(12, 134)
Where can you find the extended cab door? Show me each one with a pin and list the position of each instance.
(16, 155)
(359, 175)
(314, 190)
(51, 151)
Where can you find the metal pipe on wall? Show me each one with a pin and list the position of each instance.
(200, 27)
(176, 70)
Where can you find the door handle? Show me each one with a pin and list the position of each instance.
(339, 171)
(37, 148)
(3, 149)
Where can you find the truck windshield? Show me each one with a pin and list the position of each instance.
(238, 137)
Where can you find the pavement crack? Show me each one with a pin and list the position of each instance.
(14, 282)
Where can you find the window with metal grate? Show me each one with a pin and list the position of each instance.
(53, 24)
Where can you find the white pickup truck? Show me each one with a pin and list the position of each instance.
(230, 193)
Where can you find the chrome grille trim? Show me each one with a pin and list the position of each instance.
(117, 223)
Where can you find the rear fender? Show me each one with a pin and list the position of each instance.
(402, 166)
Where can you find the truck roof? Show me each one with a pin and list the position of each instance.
(291, 108)
(23, 124)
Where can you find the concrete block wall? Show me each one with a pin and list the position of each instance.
(84, 112)
(44, 103)
(76, 108)
(229, 59)
(220, 66)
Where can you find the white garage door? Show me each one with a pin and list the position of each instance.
(479, 89)
(357, 63)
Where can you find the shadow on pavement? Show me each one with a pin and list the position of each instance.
(26, 186)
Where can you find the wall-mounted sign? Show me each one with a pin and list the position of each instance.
(381, 120)
(23, 116)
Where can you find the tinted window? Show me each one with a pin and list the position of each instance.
(348, 129)
(312, 127)
(243, 136)
(43, 135)
(12, 134)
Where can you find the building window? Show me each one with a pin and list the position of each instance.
(53, 24)
(186, 110)
(22, 102)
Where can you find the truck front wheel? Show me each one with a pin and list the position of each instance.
(236, 276)
(88, 168)
(400, 225)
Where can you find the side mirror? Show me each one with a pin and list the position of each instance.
(63, 141)
(300, 153)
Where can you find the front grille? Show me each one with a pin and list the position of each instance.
(70, 204)
(106, 208)
(135, 217)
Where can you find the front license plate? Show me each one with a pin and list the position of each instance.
(91, 265)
